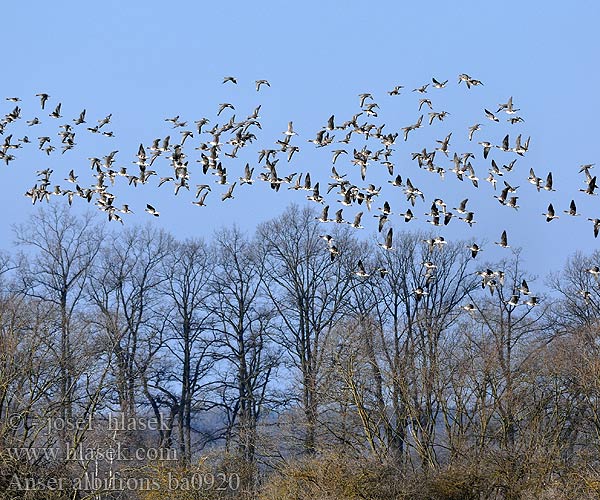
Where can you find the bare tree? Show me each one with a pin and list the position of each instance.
(189, 342)
(308, 286)
(243, 327)
(405, 309)
(573, 366)
(579, 291)
(125, 291)
(62, 249)
(509, 331)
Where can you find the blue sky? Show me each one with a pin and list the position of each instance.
(146, 61)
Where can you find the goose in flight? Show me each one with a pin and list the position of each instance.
(548, 186)
(596, 226)
(72, 177)
(200, 123)
(247, 179)
(336, 153)
(315, 196)
(104, 121)
(327, 238)
(348, 197)
(472, 177)
(224, 106)
(333, 252)
(259, 83)
(512, 202)
(495, 170)
(113, 216)
(550, 214)
(439, 115)
(201, 202)
(162, 180)
(43, 140)
(475, 249)
(382, 220)
(486, 275)
(535, 180)
(532, 302)
(462, 207)
(408, 215)
(319, 140)
(386, 209)
(486, 148)
(444, 144)
(419, 293)
(43, 98)
(330, 123)
(439, 242)
(435, 220)
(363, 97)
(514, 301)
(356, 223)
(56, 112)
(469, 219)
(572, 209)
(369, 110)
(439, 85)
(470, 308)
(231, 79)
(360, 270)
(324, 215)
(521, 149)
(387, 245)
(507, 107)
(184, 135)
(510, 166)
(151, 210)
(397, 182)
(80, 119)
(229, 193)
(503, 240)
(594, 271)
(415, 126)
(591, 186)
(491, 116)
(290, 130)
(425, 101)
(339, 218)
(503, 196)
(383, 272)
(505, 146)
(473, 129)
(429, 266)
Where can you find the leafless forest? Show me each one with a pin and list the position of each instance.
(276, 370)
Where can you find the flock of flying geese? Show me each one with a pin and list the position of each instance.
(219, 145)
